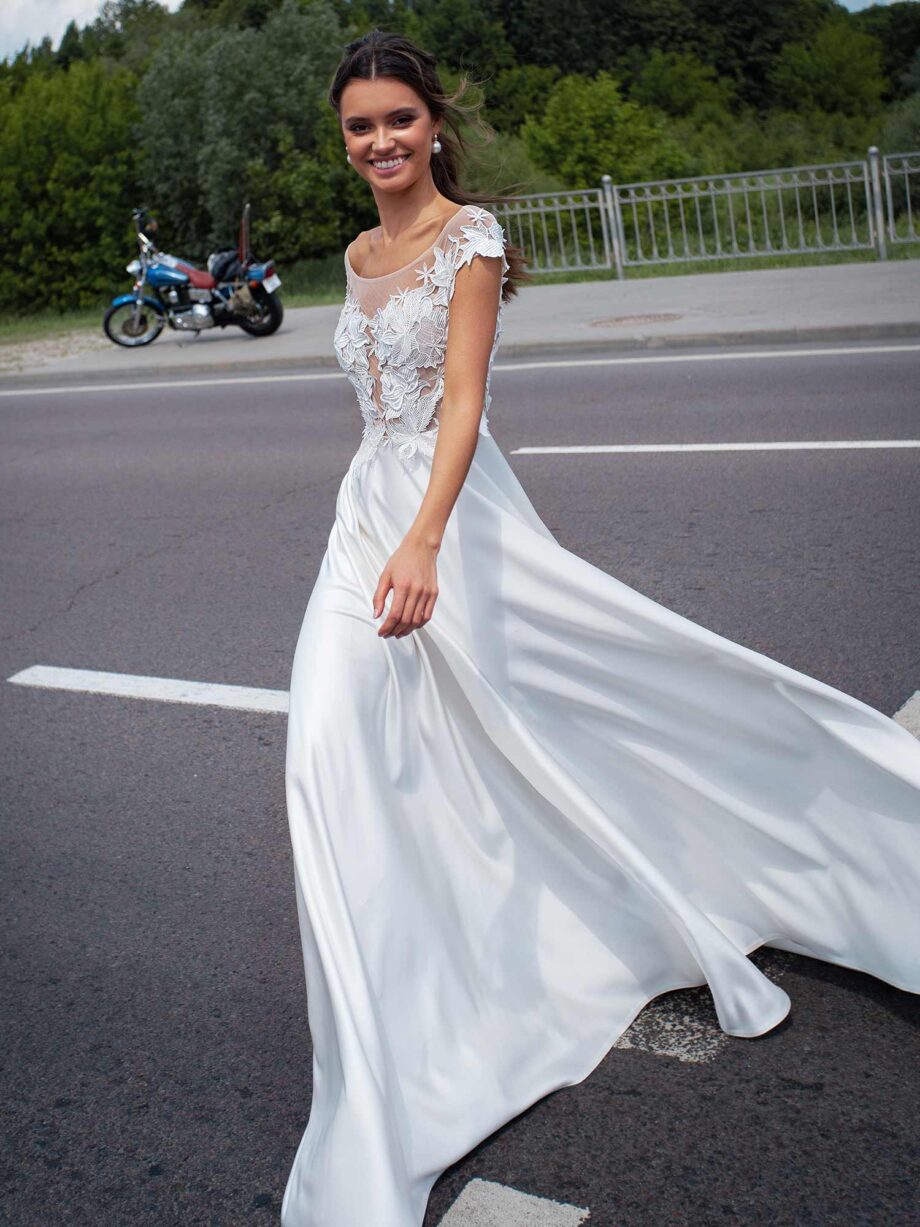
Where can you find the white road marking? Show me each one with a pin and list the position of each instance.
(484, 1203)
(908, 714)
(541, 364)
(745, 355)
(239, 698)
(785, 446)
(164, 689)
(172, 383)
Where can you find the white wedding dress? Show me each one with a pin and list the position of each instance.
(557, 799)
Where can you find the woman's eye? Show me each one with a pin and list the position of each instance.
(399, 119)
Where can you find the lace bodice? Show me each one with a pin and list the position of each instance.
(391, 337)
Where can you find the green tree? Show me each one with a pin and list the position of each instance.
(463, 33)
(910, 77)
(171, 99)
(518, 92)
(312, 203)
(234, 14)
(29, 62)
(588, 129)
(742, 40)
(897, 28)
(901, 133)
(126, 31)
(206, 150)
(70, 47)
(65, 143)
(581, 36)
(838, 71)
(679, 83)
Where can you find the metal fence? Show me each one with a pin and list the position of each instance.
(560, 231)
(901, 176)
(825, 207)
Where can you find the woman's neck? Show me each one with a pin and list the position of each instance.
(409, 210)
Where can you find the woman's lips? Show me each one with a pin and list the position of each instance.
(391, 170)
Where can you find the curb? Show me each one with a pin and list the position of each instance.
(522, 349)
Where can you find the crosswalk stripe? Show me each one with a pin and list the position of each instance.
(484, 1203)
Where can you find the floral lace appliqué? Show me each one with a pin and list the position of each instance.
(394, 355)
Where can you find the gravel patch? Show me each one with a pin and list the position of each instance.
(24, 355)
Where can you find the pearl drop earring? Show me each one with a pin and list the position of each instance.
(436, 147)
(347, 157)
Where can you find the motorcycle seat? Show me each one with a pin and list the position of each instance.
(197, 276)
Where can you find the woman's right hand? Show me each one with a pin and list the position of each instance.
(411, 573)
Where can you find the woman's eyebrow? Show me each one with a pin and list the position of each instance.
(395, 111)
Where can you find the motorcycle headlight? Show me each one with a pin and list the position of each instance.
(134, 267)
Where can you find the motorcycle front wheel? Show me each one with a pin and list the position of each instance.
(268, 317)
(125, 326)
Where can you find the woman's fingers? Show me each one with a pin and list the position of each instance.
(384, 584)
(411, 614)
(411, 608)
(404, 623)
(395, 614)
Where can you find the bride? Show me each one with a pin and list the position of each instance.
(525, 799)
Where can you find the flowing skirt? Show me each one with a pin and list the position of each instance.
(514, 827)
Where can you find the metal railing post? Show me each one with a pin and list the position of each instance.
(877, 207)
(889, 201)
(615, 235)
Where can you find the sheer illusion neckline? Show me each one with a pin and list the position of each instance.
(414, 260)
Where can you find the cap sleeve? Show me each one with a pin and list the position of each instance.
(476, 233)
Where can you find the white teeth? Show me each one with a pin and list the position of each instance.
(391, 162)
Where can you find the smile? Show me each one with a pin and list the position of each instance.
(389, 163)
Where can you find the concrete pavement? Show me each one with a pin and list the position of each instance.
(839, 302)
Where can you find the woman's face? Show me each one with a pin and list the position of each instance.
(385, 121)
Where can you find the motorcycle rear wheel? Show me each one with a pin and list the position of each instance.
(271, 313)
(120, 326)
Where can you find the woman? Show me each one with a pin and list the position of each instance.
(525, 799)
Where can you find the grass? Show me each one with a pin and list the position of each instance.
(321, 282)
(48, 324)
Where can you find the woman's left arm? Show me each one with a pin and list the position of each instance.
(411, 570)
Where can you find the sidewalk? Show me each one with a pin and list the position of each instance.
(840, 302)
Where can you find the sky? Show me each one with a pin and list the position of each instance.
(23, 21)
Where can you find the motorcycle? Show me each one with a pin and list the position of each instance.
(235, 289)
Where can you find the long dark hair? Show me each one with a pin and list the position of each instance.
(380, 54)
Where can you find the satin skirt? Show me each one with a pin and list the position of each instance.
(514, 827)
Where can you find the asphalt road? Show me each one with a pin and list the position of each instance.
(156, 1054)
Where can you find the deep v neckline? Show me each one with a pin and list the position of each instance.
(414, 260)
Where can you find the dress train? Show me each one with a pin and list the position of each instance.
(516, 826)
